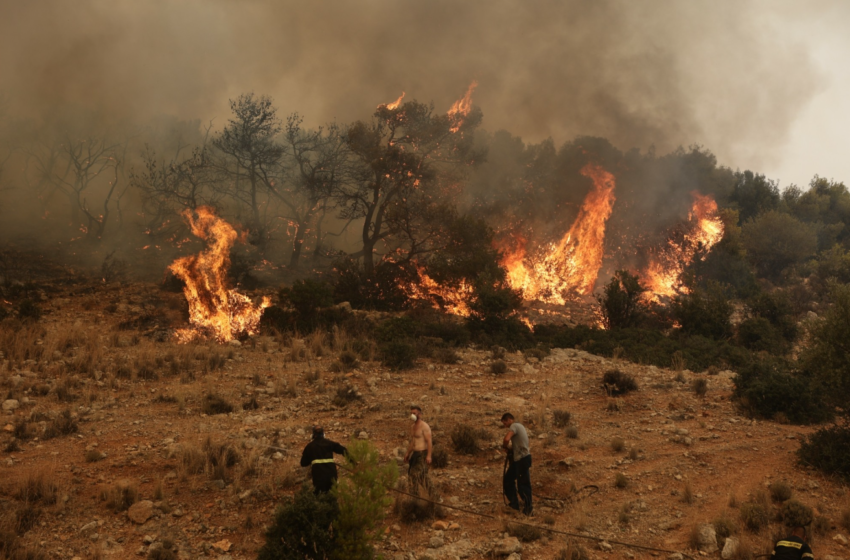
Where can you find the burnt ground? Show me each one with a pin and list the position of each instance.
(137, 400)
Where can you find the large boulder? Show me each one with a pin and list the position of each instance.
(707, 538)
(140, 512)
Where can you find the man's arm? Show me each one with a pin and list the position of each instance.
(306, 456)
(427, 435)
(507, 441)
(339, 449)
(410, 445)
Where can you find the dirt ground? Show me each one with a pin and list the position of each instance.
(142, 435)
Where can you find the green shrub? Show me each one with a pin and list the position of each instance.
(498, 367)
(464, 439)
(754, 516)
(828, 450)
(303, 527)
(780, 491)
(776, 307)
(307, 297)
(618, 383)
(363, 500)
(704, 312)
(398, 355)
(561, 418)
(827, 356)
(214, 404)
(621, 302)
(757, 333)
(766, 389)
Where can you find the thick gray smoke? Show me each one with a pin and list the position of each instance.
(659, 73)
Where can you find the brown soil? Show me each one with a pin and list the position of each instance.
(95, 336)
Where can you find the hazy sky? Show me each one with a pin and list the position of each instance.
(762, 83)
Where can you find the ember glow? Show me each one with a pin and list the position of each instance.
(663, 276)
(572, 264)
(215, 311)
(461, 108)
(451, 299)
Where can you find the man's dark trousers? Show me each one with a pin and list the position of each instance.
(518, 477)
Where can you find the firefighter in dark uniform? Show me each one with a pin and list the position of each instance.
(797, 518)
(319, 456)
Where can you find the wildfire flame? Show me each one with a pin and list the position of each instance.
(395, 104)
(572, 264)
(451, 299)
(663, 276)
(461, 108)
(213, 309)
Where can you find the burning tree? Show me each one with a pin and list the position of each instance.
(406, 163)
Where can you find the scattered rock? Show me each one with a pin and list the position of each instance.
(140, 511)
(222, 546)
(606, 546)
(439, 525)
(88, 527)
(730, 548)
(362, 435)
(10, 404)
(707, 538)
(840, 539)
(436, 542)
(506, 546)
(676, 556)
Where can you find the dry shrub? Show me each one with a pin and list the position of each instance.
(525, 533)
(316, 342)
(25, 517)
(845, 518)
(345, 395)
(498, 367)
(63, 425)
(191, 459)
(688, 494)
(693, 537)
(464, 439)
(617, 382)
(796, 514)
(561, 418)
(251, 404)
(340, 340)
(19, 341)
(297, 350)
(439, 457)
(617, 444)
(413, 510)
(37, 487)
(634, 454)
(214, 404)
(780, 491)
(724, 527)
(93, 456)
(821, 525)
(572, 432)
(700, 386)
(677, 361)
(574, 551)
(220, 457)
(621, 481)
(754, 516)
(120, 496)
(447, 355)
(285, 387)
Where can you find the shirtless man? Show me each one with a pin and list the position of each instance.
(418, 453)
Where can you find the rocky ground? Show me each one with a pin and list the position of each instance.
(144, 461)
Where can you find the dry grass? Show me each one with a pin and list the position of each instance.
(621, 481)
(688, 494)
(617, 445)
(120, 496)
(316, 341)
(37, 487)
(20, 341)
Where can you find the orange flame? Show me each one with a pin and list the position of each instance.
(213, 309)
(451, 299)
(461, 108)
(572, 264)
(395, 104)
(663, 276)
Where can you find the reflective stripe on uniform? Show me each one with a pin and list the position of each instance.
(316, 461)
(807, 555)
(790, 544)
